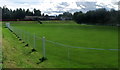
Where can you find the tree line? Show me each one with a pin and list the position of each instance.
(19, 13)
(98, 16)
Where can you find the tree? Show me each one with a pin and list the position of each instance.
(43, 14)
(37, 12)
(5, 13)
(0, 13)
(113, 16)
(28, 13)
(67, 14)
(78, 17)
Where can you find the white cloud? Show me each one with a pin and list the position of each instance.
(53, 7)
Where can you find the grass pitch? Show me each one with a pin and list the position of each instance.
(70, 33)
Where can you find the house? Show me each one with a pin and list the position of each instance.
(47, 18)
(34, 17)
(65, 18)
(31, 17)
(51, 18)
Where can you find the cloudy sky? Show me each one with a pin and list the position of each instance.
(55, 7)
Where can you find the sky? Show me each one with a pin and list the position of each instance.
(55, 7)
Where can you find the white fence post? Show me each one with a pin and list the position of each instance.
(27, 38)
(8, 25)
(43, 46)
(68, 57)
(34, 41)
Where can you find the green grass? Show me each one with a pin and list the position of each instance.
(15, 55)
(0, 45)
(70, 33)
